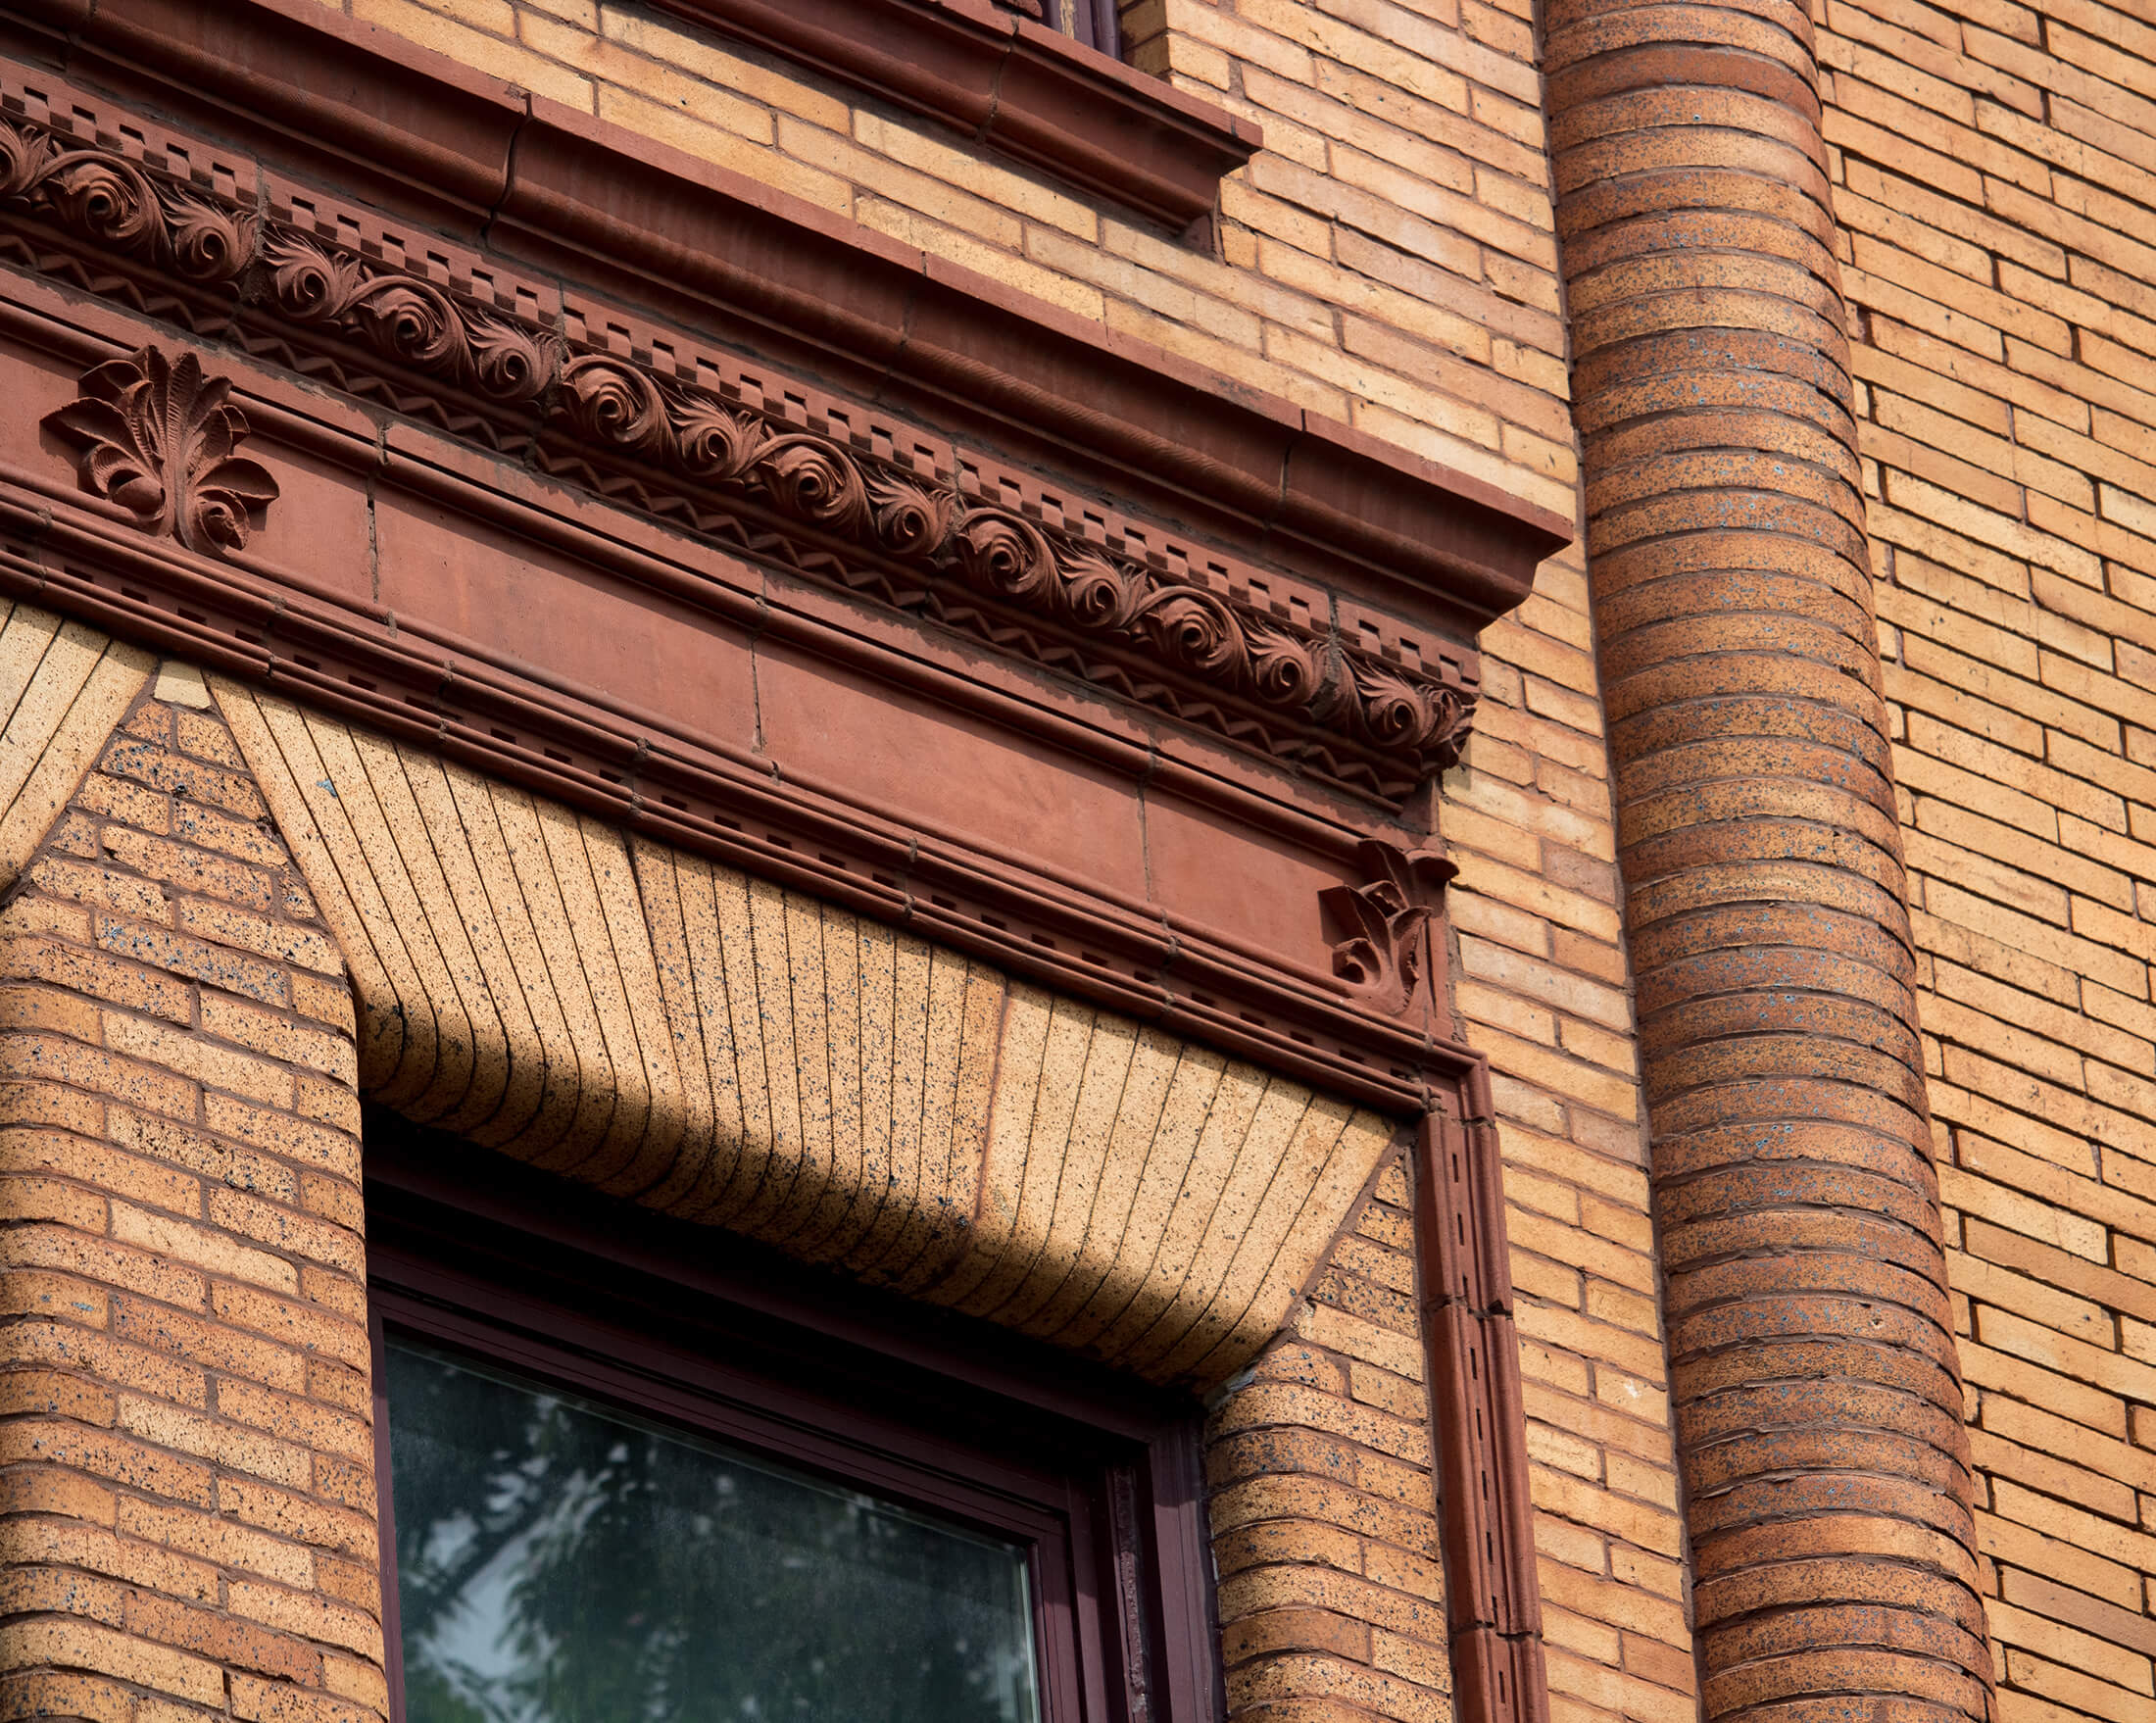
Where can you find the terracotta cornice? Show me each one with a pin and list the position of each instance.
(102, 558)
(979, 549)
(531, 179)
(1021, 88)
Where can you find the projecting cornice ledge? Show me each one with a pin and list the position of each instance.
(483, 160)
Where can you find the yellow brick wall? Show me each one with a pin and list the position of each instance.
(1325, 1527)
(187, 1467)
(1994, 174)
(1389, 261)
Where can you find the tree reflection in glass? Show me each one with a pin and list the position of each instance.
(559, 1563)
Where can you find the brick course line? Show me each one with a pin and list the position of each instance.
(1810, 1330)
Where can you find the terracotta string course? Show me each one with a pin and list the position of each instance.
(1816, 1388)
(358, 107)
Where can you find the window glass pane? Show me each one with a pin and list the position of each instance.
(559, 1563)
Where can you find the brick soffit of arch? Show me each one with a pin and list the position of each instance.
(723, 1049)
(727, 1052)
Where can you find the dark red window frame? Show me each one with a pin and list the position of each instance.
(695, 1328)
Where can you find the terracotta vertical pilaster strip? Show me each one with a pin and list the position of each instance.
(1491, 1595)
(1817, 1391)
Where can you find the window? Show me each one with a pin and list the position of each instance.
(1049, 91)
(639, 1472)
(1091, 22)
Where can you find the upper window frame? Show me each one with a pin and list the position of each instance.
(1054, 102)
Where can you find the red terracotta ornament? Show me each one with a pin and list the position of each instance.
(157, 436)
(1382, 953)
(1205, 646)
(98, 195)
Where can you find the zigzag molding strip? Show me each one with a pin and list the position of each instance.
(932, 544)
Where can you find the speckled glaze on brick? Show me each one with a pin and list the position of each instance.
(1817, 1392)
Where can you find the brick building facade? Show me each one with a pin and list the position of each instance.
(1348, 806)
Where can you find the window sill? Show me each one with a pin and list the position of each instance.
(1020, 88)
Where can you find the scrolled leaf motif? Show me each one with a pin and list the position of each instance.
(1096, 592)
(1285, 672)
(24, 158)
(1005, 554)
(711, 443)
(1196, 630)
(105, 198)
(111, 200)
(156, 437)
(911, 519)
(308, 282)
(1395, 713)
(508, 362)
(407, 321)
(410, 321)
(612, 402)
(205, 243)
(814, 480)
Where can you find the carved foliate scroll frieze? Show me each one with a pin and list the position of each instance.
(1383, 927)
(617, 405)
(156, 437)
(100, 196)
(1333, 705)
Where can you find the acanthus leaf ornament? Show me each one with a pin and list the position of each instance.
(615, 406)
(1005, 555)
(1382, 951)
(815, 480)
(156, 437)
(911, 520)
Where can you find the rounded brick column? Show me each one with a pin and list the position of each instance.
(1817, 1392)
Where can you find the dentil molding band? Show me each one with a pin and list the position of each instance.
(1816, 1388)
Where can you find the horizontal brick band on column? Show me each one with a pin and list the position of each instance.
(1816, 1390)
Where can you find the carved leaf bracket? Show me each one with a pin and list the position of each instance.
(1352, 714)
(1382, 951)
